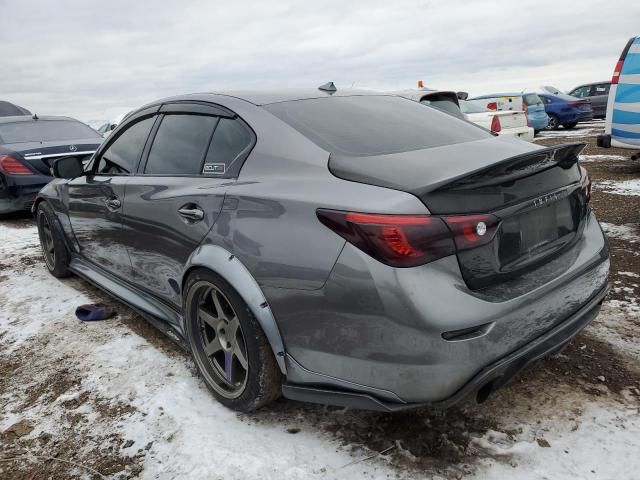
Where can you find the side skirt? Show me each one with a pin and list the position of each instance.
(161, 316)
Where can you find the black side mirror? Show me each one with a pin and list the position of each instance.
(68, 167)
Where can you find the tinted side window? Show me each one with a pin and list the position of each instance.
(231, 142)
(122, 156)
(602, 89)
(180, 145)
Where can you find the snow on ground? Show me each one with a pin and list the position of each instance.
(579, 132)
(147, 400)
(593, 158)
(630, 232)
(627, 187)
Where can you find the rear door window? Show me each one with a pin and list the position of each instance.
(373, 124)
(122, 156)
(180, 145)
(232, 142)
(601, 89)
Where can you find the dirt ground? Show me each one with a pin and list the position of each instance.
(44, 388)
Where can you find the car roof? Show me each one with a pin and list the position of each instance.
(29, 118)
(265, 97)
(591, 83)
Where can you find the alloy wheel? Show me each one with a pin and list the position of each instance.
(222, 347)
(46, 240)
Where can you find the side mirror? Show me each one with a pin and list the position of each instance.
(68, 167)
(112, 126)
(463, 95)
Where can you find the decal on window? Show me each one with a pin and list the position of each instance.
(214, 168)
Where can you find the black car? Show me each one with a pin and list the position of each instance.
(28, 146)
(598, 93)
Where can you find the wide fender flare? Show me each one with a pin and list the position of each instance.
(229, 266)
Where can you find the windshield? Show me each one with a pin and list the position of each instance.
(373, 125)
(45, 131)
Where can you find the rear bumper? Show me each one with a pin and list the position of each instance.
(524, 133)
(19, 192)
(584, 117)
(485, 382)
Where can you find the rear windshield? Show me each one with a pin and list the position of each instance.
(443, 103)
(373, 125)
(44, 131)
(470, 107)
(531, 99)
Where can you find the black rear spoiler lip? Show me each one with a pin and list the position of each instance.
(511, 168)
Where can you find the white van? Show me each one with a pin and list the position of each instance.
(622, 126)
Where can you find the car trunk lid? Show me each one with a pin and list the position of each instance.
(534, 192)
(41, 155)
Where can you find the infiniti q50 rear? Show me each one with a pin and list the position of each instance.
(348, 248)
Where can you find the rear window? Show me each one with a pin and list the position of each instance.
(531, 99)
(443, 103)
(45, 131)
(470, 107)
(373, 125)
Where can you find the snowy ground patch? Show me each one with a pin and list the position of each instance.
(629, 232)
(627, 187)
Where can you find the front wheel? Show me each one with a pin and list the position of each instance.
(569, 125)
(228, 345)
(56, 256)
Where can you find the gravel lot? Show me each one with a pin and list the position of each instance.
(116, 399)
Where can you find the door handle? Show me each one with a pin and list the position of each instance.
(193, 213)
(113, 203)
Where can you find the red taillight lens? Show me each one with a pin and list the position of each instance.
(492, 106)
(470, 231)
(495, 124)
(410, 240)
(616, 73)
(396, 240)
(11, 166)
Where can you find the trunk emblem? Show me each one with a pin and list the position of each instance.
(481, 228)
(73, 148)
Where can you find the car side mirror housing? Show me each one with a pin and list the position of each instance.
(68, 167)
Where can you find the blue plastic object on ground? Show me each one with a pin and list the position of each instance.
(93, 311)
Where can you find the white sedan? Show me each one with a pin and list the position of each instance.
(506, 122)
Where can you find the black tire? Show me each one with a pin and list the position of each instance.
(536, 132)
(54, 249)
(261, 380)
(554, 123)
(569, 126)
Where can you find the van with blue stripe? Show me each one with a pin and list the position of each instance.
(622, 127)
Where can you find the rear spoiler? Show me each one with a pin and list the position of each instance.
(516, 167)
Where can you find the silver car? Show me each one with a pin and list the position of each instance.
(347, 248)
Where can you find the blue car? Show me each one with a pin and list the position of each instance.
(28, 146)
(566, 110)
(531, 103)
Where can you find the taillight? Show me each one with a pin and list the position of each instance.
(11, 166)
(616, 73)
(524, 107)
(410, 240)
(470, 231)
(495, 124)
(492, 106)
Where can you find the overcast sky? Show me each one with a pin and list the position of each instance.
(94, 60)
